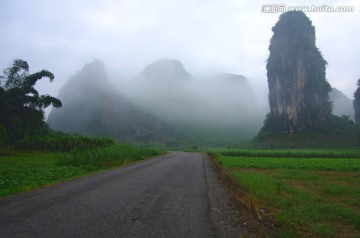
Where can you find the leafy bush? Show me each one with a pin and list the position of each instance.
(105, 157)
(57, 141)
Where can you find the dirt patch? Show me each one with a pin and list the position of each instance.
(304, 186)
(262, 171)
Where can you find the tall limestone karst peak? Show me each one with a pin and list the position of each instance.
(166, 69)
(91, 71)
(94, 64)
(292, 27)
(92, 77)
(298, 90)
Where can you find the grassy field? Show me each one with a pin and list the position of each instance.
(307, 193)
(21, 171)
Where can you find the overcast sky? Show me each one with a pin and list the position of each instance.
(207, 36)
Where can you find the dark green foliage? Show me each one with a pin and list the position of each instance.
(338, 126)
(2, 134)
(274, 126)
(21, 106)
(106, 157)
(357, 103)
(335, 132)
(58, 141)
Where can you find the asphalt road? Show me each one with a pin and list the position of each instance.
(175, 195)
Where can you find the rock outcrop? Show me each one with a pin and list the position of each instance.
(298, 90)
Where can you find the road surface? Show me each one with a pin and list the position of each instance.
(175, 195)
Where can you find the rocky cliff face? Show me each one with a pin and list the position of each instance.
(298, 90)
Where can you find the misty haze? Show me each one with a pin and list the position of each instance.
(173, 104)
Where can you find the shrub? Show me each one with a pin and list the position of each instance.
(57, 141)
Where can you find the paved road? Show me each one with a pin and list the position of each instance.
(167, 196)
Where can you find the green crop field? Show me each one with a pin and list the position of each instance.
(310, 193)
(28, 170)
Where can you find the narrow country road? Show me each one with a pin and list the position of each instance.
(168, 196)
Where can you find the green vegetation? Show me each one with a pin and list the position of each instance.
(21, 106)
(336, 132)
(32, 155)
(106, 157)
(25, 171)
(311, 153)
(323, 164)
(307, 193)
(59, 141)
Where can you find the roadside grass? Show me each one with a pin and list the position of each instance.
(308, 197)
(22, 171)
(299, 153)
(106, 157)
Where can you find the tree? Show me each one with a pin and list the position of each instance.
(21, 106)
(357, 103)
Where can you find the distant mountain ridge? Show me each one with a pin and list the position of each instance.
(91, 106)
(342, 105)
(165, 70)
(165, 104)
